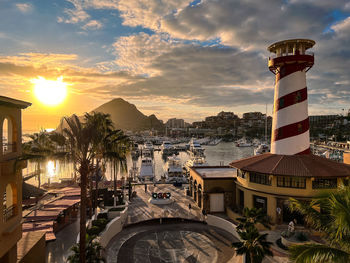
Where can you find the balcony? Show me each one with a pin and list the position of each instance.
(8, 213)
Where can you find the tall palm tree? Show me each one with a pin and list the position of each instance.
(253, 245)
(116, 145)
(81, 144)
(104, 126)
(328, 213)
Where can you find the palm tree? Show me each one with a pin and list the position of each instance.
(40, 148)
(253, 245)
(328, 213)
(116, 145)
(81, 144)
(251, 217)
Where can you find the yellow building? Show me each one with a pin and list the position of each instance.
(212, 187)
(10, 177)
(267, 181)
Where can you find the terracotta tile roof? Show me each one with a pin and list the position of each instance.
(306, 165)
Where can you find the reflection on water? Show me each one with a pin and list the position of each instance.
(223, 154)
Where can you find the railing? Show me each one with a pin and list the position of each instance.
(8, 147)
(274, 55)
(9, 212)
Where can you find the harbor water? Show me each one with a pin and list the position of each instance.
(220, 154)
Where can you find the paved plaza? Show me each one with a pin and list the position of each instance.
(140, 209)
(182, 242)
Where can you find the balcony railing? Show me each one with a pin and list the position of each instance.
(273, 55)
(8, 147)
(9, 212)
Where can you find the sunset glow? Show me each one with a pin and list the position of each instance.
(50, 92)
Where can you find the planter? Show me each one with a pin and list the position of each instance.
(291, 242)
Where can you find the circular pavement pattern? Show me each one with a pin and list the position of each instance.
(192, 242)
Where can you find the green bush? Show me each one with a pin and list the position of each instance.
(301, 236)
(93, 231)
(102, 215)
(287, 234)
(101, 222)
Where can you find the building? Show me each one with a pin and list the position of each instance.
(212, 187)
(254, 116)
(175, 123)
(10, 178)
(267, 181)
(322, 120)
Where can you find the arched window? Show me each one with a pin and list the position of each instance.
(9, 202)
(8, 136)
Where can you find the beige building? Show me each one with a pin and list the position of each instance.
(10, 177)
(212, 187)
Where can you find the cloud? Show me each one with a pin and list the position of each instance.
(93, 25)
(75, 14)
(24, 7)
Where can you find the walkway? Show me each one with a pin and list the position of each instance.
(180, 242)
(140, 209)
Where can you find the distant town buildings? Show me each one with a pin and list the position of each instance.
(175, 123)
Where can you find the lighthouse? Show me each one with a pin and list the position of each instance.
(290, 61)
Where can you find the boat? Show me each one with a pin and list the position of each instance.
(215, 142)
(196, 148)
(173, 170)
(148, 146)
(262, 148)
(195, 162)
(243, 143)
(146, 170)
(167, 147)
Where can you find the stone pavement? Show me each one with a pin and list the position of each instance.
(140, 209)
(180, 242)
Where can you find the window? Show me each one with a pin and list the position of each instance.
(260, 203)
(297, 97)
(281, 103)
(319, 183)
(241, 173)
(259, 178)
(291, 182)
(300, 127)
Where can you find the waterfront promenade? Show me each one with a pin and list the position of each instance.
(141, 210)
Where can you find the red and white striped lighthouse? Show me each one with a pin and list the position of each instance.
(290, 125)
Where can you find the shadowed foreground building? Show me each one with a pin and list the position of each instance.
(31, 248)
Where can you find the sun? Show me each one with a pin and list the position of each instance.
(50, 92)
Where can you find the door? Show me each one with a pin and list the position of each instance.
(217, 202)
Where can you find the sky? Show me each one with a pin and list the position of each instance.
(174, 58)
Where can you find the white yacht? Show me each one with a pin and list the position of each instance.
(167, 147)
(148, 146)
(195, 161)
(196, 148)
(146, 170)
(173, 170)
(262, 148)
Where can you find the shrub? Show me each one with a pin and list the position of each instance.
(102, 215)
(93, 231)
(301, 236)
(287, 234)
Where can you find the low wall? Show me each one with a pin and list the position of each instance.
(113, 228)
(223, 224)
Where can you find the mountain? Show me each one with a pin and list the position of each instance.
(126, 116)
